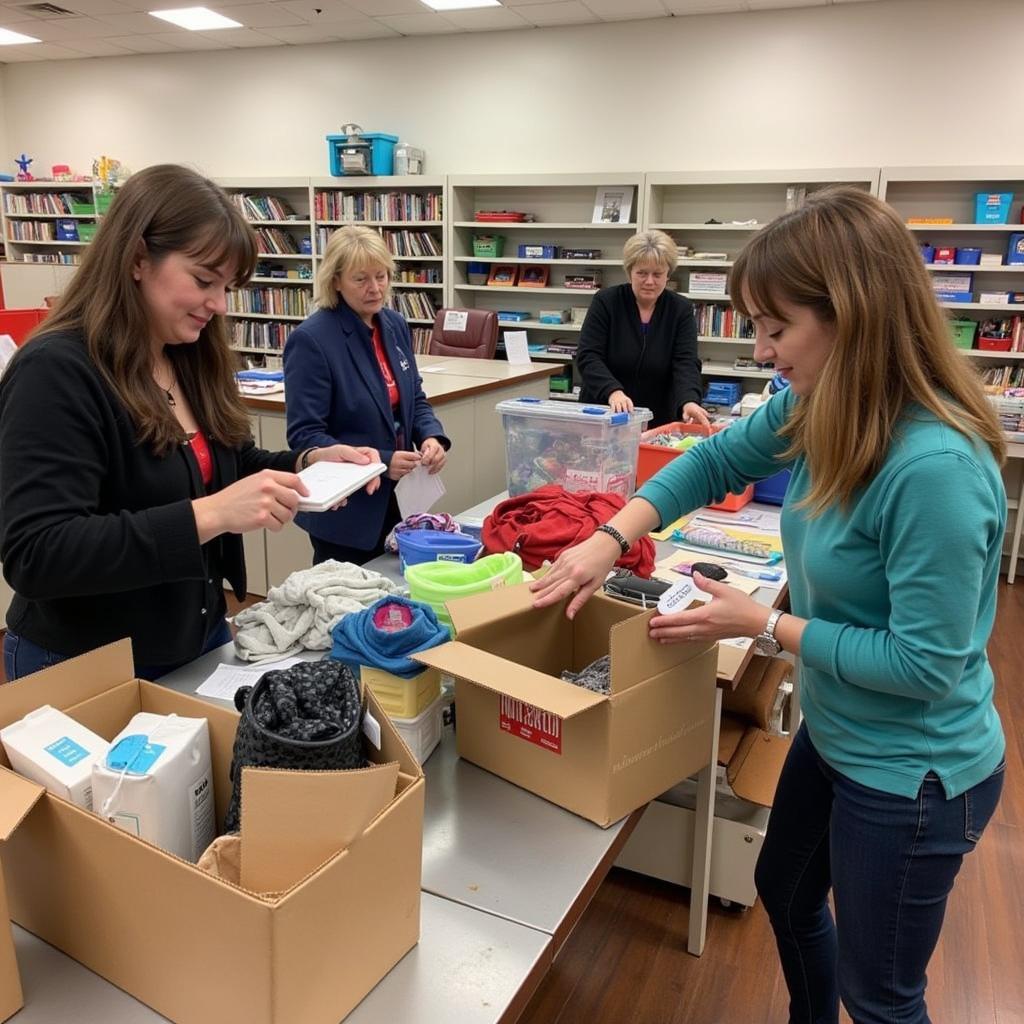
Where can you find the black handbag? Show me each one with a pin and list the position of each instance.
(307, 718)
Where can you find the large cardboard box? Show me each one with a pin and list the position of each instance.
(303, 937)
(599, 756)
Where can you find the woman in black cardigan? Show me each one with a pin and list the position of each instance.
(127, 469)
(638, 346)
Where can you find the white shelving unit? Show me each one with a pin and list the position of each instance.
(948, 192)
(742, 203)
(263, 312)
(562, 206)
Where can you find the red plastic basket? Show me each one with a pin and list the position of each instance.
(498, 216)
(653, 457)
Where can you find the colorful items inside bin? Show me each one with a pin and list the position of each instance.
(434, 583)
(416, 546)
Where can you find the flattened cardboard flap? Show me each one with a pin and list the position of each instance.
(489, 606)
(754, 770)
(17, 797)
(562, 699)
(636, 657)
(69, 682)
(292, 822)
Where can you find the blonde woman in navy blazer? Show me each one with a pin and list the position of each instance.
(350, 376)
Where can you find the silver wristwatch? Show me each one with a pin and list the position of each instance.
(765, 642)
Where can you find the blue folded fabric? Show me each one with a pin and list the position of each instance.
(260, 375)
(359, 641)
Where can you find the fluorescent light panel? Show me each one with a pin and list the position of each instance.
(9, 38)
(460, 5)
(196, 19)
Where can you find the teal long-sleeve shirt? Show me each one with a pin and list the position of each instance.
(899, 590)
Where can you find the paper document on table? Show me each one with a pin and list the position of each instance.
(666, 531)
(433, 369)
(329, 482)
(773, 577)
(418, 491)
(226, 679)
(516, 347)
(664, 570)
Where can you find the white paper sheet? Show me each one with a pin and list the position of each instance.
(418, 491)
(329, 482)
(516, 348)
(455, 319)
(226, 679)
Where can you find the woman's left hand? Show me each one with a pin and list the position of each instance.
(693, 413)
(361, 455)
(728, 614)
(434, 455)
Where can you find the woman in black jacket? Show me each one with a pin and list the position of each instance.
(127, 468)
(638, 346)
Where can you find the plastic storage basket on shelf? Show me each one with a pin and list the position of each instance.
(589, 448)
(654, 456)
(434, 583)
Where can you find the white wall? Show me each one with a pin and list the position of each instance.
(848, 84)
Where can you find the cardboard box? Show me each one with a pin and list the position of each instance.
(598, 756)
(307, 933)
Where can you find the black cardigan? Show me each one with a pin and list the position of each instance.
(662, 374)
(97, 534)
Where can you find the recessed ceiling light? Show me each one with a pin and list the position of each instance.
(9, 38)
(196, 19)
(460, 5)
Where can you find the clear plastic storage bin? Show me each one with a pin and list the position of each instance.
(580, 448)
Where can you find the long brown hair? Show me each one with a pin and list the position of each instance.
(848, 257)
(161, 210)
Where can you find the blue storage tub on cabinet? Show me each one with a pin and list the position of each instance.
(382, 152)
(772, 490)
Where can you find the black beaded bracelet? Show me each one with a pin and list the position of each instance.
(616, 536)
(304, 458)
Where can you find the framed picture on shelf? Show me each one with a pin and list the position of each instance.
(503, 275)
(534, 277)
(613, 205)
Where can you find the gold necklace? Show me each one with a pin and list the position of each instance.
(167, 391)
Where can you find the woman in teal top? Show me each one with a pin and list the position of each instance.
(893, 529)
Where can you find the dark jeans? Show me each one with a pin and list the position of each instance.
(22, 657)
(325, 549)
(890, 863)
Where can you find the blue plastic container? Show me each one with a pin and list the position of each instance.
(967, 256)
(928, 253)
(772, 490)
(416, 546)
(992, 207)
(382, 152)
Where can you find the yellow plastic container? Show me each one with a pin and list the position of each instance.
(402, 698)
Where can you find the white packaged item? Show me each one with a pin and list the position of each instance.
(156, 782)
(422, 733)
(54, 750)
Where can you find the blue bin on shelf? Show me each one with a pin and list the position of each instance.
(772, 490)
(382, 152)
(415, 546)
(992, 207)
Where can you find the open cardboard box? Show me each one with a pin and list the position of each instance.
(599, 756)
(313, 931)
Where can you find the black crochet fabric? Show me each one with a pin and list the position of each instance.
(307, 717)
(597, 676)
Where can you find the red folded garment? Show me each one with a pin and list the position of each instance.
(540, 524)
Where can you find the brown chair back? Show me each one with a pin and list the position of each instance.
(477, 341)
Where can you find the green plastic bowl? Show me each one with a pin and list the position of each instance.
(434, 583)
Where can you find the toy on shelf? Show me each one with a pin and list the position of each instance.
(23, 172)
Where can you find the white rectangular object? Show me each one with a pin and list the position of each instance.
(517, 349)
(708, 283)
(156, 783)
(329, 482)
(51, 748)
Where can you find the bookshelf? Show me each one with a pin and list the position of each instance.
(408, 211)
(562, 206)
(743, 202)
(948, 192)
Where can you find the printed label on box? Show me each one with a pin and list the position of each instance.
(67, 751)
(530, 723)
(582, 480)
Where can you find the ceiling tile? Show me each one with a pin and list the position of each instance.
(239, 37)
(94, 6)
(772, 5)
(486, 20)
(569, 12)
(134, 24)
(142, 44)
(261, 15)
(359, 28)
(704, 6)
(384, 8)
(95, 48)
(297, 34)
(418, 24)
(17, 55)
(69, 28)
(618, 10)
(317, 10)
(186, 40)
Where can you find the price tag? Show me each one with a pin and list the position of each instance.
(679, 596)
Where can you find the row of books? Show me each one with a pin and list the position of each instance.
(378, 206)
(421, 339)
(419, 275)
(411, 243)
(412, 305)
(722, 321)
(259, 334)
(997, 379)
(282, 301)
(44, 202)
(262, 207)
(31, 231)
(66, 259)
(271, 241)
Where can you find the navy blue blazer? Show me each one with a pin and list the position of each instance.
(335, 393)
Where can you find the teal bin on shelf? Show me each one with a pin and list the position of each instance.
(382, 152)
(992, 207)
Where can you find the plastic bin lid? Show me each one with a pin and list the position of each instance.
(548, 408)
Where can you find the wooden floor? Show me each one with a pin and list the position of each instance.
(626, 962)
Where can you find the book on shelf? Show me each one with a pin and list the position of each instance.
(421, 337)
(260, 334)
(722, 321)
(412, 305)
(378, 206)
(262, 207)
(275, 242)
(279, 301)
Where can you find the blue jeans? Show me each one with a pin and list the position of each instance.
(890, 863)
(22, 657)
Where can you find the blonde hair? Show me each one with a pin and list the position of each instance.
(848, 257)
(650, 247)
(352, 247)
